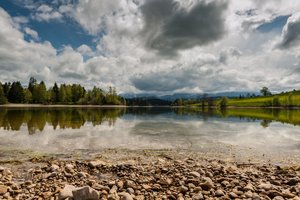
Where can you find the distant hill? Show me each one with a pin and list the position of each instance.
(184, 96)
(147, 101)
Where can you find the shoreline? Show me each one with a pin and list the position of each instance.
(58, 106)
(146, 174)
(10, 105)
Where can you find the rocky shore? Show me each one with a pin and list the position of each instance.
(147, 175)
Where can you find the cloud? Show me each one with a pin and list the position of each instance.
(91, 15)
(46, 13)
(291, 32)
(31, 33)
(85, 50)
(229, 53)
(185, 75)
(133, 37)
(169, 28)
(20, 20)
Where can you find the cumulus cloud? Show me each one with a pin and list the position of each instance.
(46, 13)
(229, 53)
(31, 33)
(169, 27)
(91, 14)
(20, 20)
(133, 37)
(191, 75)
(291, 32)
(85, 50)
(18, 57)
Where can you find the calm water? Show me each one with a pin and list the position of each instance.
(72, 129)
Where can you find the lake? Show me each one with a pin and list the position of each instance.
(238, 132)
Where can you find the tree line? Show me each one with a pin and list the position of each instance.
(69, 94)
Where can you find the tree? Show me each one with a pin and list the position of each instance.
(55, 94)
(3, 99)
(39, 94)
(32, 83)
(27, 96)
(6, 88)
(62, 93)
(265, 91)
(77, 92)
(223, 102)
(203, 99)
(276, 102)
(42, 92)
(16, 93)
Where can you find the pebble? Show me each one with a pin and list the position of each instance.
(195, 174)
(208, 184)
(249, 187)
(219, 193)
(54, 168)
(278, 198)
(171, 179)
(233, 195)
(265, 186)
(125, 196)
(3, 189)
(198, 196)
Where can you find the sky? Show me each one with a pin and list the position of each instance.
(153, 46)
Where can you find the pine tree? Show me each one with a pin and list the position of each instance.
(16, 93)
(55, 94)
(3, 99)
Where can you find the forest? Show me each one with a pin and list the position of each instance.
(66, 94)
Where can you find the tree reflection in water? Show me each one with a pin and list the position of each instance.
(59, 118)
(64, 118)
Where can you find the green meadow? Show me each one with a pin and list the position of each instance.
(284, 100)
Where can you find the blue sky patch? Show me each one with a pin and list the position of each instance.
(275, 25)
(59, 33)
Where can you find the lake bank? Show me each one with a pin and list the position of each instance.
(10, 105)
(58, 106)
(148, 174)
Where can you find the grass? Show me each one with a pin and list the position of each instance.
(288, 99)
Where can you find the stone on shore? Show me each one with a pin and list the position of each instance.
(85, 193)
(3, 189)
(67, 192)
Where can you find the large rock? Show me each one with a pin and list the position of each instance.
(66, 192)
(85, 193)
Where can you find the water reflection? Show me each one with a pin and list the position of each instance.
(75, 118)
(37, 118)
(70, 129)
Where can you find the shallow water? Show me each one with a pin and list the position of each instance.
(63, 130)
